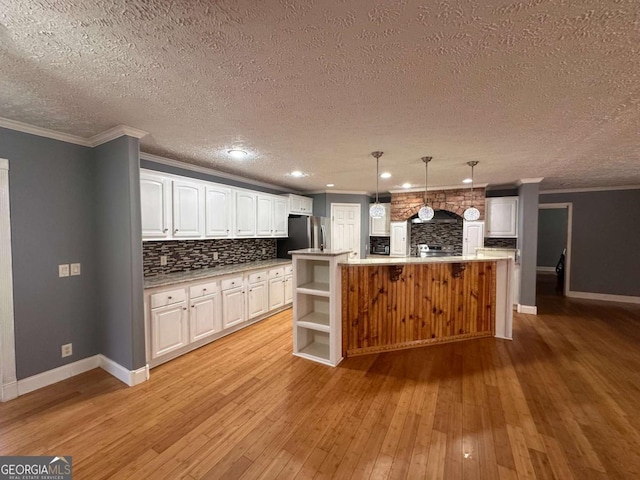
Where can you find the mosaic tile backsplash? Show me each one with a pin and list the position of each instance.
(185, 255)
(376, 242)
(501, 242)
(442, 234)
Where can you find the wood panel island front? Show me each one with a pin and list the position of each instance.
(397, 303)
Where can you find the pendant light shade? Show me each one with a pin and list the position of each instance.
(376, 210)
(426, 212)
(472, 213)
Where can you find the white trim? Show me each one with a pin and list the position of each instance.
(128, 377)
(528, 309)
(50, 377)
(522, 181)
(116, 132)
(606, 297)
(546, 269)
(590, 189)
(43, 132)
(340, 192)
(462, 186)
(567, 258)
(210, 171)
(8, 386)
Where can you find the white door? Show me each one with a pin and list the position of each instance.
(232, 307)
(280, 217)
(169, 329)
(155, 202)
(264, 224)
(218, 209)
(345, 228)
(472, 237)
(258, 299)
(276, 293)
(188, 209)
(205, 317)
(399, 239)
(288, 289)
(245, 214)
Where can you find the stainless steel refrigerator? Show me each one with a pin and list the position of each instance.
(304, 232)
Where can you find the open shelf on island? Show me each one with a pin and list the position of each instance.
(316, 321)
(316, 344)
(315, 288)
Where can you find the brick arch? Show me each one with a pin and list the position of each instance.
(405, 205)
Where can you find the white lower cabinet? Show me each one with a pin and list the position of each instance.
(233, 307)
(288, 289)
(276, 293)
(169, 329)
(205, 317)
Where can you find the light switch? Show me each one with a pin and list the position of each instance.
(63, 270)
(163, 260)
(215, 255)
(75, 269)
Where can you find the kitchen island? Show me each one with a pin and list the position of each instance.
(397, 303)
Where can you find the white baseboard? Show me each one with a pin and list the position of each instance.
(44, 379)
(9, 391)
(129, 377)
(546, 269)
(50, 377)
(604, 297)
(528, 309)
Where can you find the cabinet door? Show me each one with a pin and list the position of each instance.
(232, 307)
(169, 329)
(288, 289)
(155, 203)
(295, 204)
(472, 237)
(218, 207)
(306, 205)
(280, 217)
(204, 319)
(380, 227)
(245, 214)
(502, 217)
(276, 293)
(264, 222)
(258, 299)
(188, 209)
(399, 239)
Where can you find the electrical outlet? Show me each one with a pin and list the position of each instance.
(163, 260)
(63, 270)
(75, 269)
(215, 255)
(264, 251)
(67, 350)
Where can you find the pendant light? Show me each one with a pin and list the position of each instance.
(472, 213)
(426, 212)
(376, 210)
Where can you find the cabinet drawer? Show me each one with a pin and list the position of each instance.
(257, 277)
(276, 273)
(288, 270)
(167, 298)
(203, 289)
(231, 283)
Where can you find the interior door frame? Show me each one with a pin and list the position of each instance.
(333, 230)
(8, 381)
(567, 260)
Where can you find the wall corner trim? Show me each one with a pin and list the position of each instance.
(116, 132)
(605, 297)
(9, 391)
(55, 375)
(128, 377)
(528, 309)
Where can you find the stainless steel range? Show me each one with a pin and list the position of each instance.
(425, 250)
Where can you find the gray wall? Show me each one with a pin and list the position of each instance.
(604, 240)
(119, 251)
(552, 235)
(528, 241)
(322, 207)
(52, 222)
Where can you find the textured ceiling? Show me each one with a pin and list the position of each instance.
(535, 88)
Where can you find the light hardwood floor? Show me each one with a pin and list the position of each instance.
(560, 401)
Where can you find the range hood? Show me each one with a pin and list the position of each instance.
(440, 216)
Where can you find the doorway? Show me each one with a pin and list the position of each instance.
(345, 228)
(554, 246)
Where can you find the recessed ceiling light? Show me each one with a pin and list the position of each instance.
(385, 175)
(235, 153)
(466, 180)
(331, 185)
(298, 173)
(406, 185)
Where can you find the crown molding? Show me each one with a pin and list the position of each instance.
(116, 132)
(522, 181)
(589, 189)
(340, 192)
(436, 189)
(210, 171)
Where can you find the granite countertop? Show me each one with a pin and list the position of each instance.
(317, 251)
(411, 260)
(183, 277)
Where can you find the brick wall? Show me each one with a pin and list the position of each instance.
(405, 205)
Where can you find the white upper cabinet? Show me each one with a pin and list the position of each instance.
(155, 200)
(188, 209)
(381, 227)
(218, 209)
(245, 213)
(280, 217)
(299, 205)
(502, 217)
(264, 222)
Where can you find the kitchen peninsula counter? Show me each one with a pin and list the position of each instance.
(402, 302)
